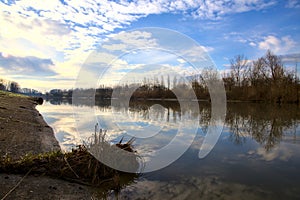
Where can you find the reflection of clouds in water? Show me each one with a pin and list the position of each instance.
(63, 136)
(282, 152)
(62, 121)
(194, 188)
(169, 135)
(245, 162)
(132, 120)
(60, 118)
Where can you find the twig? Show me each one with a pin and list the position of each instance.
(70, 167)
(86, 183)
(10, 191)
(76, 181)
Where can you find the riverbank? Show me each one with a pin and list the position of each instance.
(33, 166)
(22, 128)
(24, 131)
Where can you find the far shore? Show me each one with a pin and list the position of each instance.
(82, 99)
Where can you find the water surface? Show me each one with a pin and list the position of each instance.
(256, 157)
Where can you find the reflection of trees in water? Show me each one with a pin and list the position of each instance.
(267, 124)
(238, 126)
(59, 101)
(205, 115)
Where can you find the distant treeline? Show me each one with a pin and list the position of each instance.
(263, 80)
(13, 86)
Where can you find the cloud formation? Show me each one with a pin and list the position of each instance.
(215, 9)
(67, 31)
(84, 21)
(277, 45)
(26, 65)
(293, 4)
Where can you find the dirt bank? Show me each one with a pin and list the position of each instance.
(22, 131)
(22, 128)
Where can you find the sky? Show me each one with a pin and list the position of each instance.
(46, 44)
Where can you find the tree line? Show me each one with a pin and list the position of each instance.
(11, 86)
(15, 87)
(262, 80)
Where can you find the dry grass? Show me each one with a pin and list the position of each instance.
(77, 166)
(10, 94)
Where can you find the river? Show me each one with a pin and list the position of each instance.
(257, 155)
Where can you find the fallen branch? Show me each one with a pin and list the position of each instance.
(10, 191)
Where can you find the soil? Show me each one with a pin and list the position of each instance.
(42, 188)
(22, 128)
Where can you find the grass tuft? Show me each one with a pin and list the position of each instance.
(78, 166)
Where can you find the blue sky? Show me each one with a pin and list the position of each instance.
(43, 44)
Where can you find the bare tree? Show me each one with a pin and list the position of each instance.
(274, 66)
(168, 81)
(174, 81)
(162, 81)
(257, 72)
(239, 66)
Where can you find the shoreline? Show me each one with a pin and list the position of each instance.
(34, 166)
(23, 130)
(69, 99)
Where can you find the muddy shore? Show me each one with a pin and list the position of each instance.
(24, 131)
(22, 128)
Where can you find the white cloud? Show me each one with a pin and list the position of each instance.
(26, 65)
(67, 32)
(277, 45)
(124, 41)
(252, 44)
(31, 36)
(217, 8)
(83, 19)
(79, 22)
(293, 4)
(180, 60)
(241, 37)
(291, 58)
